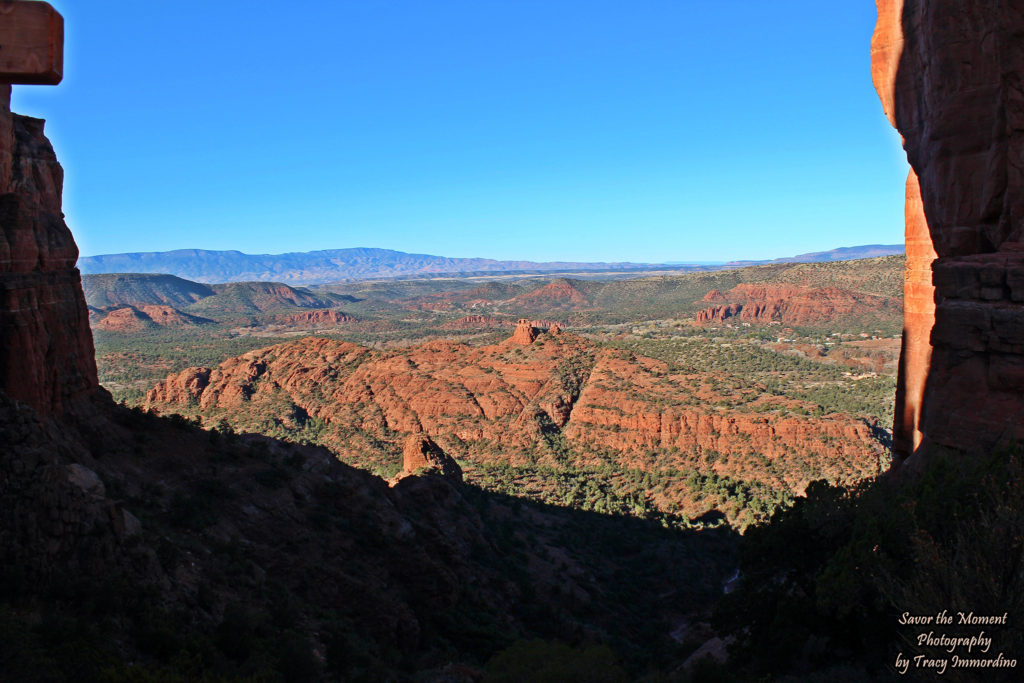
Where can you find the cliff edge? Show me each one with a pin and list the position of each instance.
(949, 78)
(46, 352)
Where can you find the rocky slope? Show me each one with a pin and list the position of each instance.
(145, 316)
(546, 397)
(948, 76)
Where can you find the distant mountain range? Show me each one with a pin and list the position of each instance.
(840, 254)
(346, 265)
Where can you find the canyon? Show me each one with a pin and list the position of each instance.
(154, 543)
(142, 538)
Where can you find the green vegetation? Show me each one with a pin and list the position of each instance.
(102, 291)
(130, 364)
(826, 580)
(612, 490)
(751, 363)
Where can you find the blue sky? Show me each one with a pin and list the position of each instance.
(650, 130)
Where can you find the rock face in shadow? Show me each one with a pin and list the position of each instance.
(47, 357)
(949, 78)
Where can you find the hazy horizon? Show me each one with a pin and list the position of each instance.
(559, 260)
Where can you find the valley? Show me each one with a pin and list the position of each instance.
(617, 395)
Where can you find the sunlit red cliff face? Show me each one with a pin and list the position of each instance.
(788, 304)
(508, 402)
(949, 77)
(46, 355)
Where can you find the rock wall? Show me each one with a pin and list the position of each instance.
(789, 304)
(948, 73)
(46, 351)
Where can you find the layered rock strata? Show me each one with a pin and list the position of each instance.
(949, 78)
(496, 403)
(46, 352)
(788, 304)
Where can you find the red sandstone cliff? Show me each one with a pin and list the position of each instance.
(321, 318)
(499, 402)
(949, 78)
(46, 356)
(472, 322)
(788, 304)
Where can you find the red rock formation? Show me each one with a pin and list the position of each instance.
(321, 318)
(948, 76)
(717, 314)
(47, 357)
(472, 322)
(421, 452)
(131, 318)
(183, 388)
(127, 319)
(558, 293)
(789, 304)
(525, 333)
(168, 316)
(496, 401)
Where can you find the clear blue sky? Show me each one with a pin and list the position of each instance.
(648, 130)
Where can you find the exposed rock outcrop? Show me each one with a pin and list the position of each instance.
(495, 403)
(525, 333)
(472, 322)
(420, 451)
(949, 78)
(788, 304)
(46, 356)
(321, 318)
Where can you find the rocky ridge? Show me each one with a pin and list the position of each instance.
(788, 304)
(132, 318)
(506, 401)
